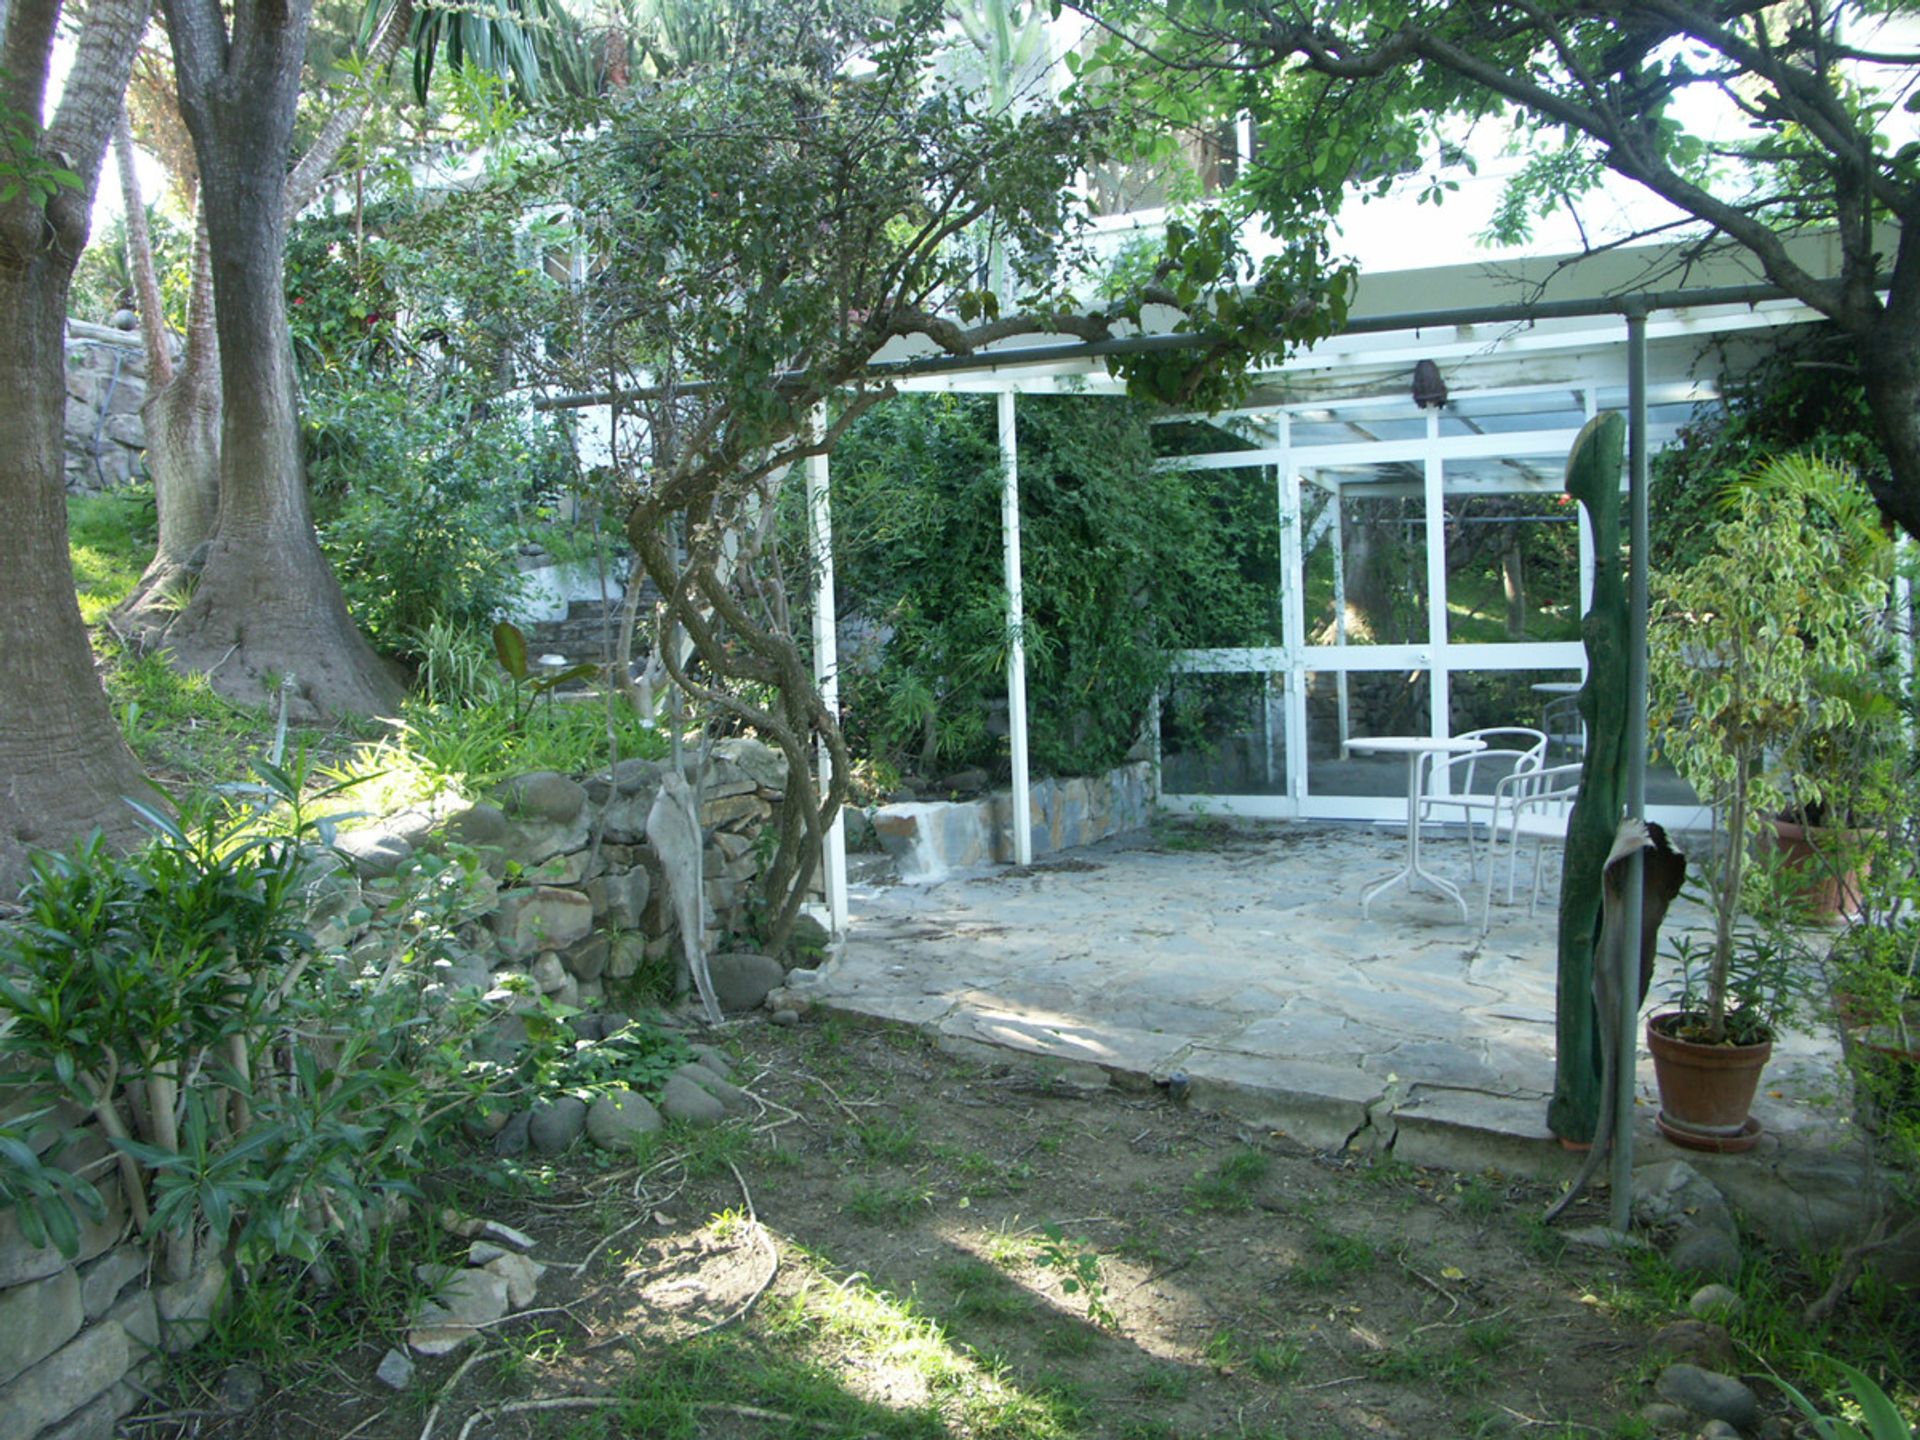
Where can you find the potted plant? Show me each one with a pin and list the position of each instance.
(1746, 649)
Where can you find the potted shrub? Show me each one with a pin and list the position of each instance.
(1747, 652)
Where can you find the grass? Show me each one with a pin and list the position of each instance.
(981, 1292)
(885, 1204)
(1228, 1350)
(1232, 1184)
(1337, 1257)
(892, 1142)
(111, 540)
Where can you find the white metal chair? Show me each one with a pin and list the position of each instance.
(1564, 724)
(1474, 781)
(1536, 804)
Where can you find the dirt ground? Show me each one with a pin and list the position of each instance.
(971, 1247)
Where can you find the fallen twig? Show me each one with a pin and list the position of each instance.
(773, 1254)
(433, 1415)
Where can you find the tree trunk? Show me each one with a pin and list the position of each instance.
(64, 767)
(181, 415)
(267, 606)
(1513, 580)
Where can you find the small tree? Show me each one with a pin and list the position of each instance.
(760, 232)
(1744, 650)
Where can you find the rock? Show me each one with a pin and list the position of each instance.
(786, 1019)
(96, 1420)
(713, 1059)
(548, 973)
(542, 795)
(629, 777)
(37, 1318)
(1705, 1250)
(479, 826)
(21, 1262)
(587, 1027)
(521, 1274)
(396, 1370)
(542, 917)
(625, 958)
(464, 1302)
(1708, 1393)
(619, 1118)
(612, 1022)
(728, 1094)
(240, 1389)
(741, 979)
(1672, 1192)
(730, 809)
(1697, 1342)
(504, 1235)
(757, 760)
(103, 1280)
(1662, 1417)
(685, 1101)
(1711, 1300)
(373, 852)
(514, 1136)
(1604, 1237)
(66, 1379)
(557, 1124)
(1718, 1430)
(187, 1307)
(586, 960)
(964, 782)
(136, 1314)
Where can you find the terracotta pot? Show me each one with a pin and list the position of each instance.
(1826, 892)
(1705, 1090)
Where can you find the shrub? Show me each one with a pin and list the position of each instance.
(1122, 565)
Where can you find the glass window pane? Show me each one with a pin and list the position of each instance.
(1513, 569)
(1374, 702)
(1224, 735)
(1379, 596)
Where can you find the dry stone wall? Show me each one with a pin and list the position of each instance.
(567, 897)
(106, 441)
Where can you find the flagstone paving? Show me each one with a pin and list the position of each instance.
(1235, 955)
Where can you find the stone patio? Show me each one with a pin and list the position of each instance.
(1234, 955)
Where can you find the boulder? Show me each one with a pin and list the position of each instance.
(542, 795)
(103, 1280)
(726, 1092)
(713, 1060)
(548, 973)
(396, 1370)
(1711, 1300)
(1705, 1250)
(686, 1102)
(1672, 1192)
(757, 760)
(587, 959)
(521, 1274)
(1697, 1342)
(481, 827)
(36, 1319)
(618, 1119)
(556, 1124)
(742, 979)
(543, 917)
(187, 1307)
(66, 1379)
(514, 1136)
(1708, 1393)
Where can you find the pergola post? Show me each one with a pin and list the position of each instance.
(1016, 630)
(1627, 1037)
(1434, 493)
(826, 664)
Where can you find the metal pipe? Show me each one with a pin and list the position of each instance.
(1627, 1023)
(826, 666)
(1016, 631)
(1512, 312)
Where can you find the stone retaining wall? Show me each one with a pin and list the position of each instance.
(569, 895)
(106, 440)
(928, 839)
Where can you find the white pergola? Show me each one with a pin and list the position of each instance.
(1339, 422)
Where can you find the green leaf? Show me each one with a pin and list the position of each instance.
(510, 648)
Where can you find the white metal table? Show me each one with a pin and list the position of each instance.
(1413, 747)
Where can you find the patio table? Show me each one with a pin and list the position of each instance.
(1413, 747)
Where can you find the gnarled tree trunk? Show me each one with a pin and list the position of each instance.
(64, 767)
(267, 605)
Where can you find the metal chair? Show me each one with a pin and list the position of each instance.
(1536, 804)
(1473, 781)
